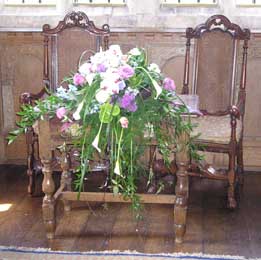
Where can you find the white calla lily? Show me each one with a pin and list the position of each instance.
(90, 78)
(76, 114)
(117, 169)
(95, 142)
(157, 87)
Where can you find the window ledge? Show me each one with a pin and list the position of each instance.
(102, 4)
(26, 5)
(248, 5)
(188, 5)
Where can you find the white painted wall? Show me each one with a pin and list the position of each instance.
(136, 14)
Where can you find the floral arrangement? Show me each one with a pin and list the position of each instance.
(112, 107)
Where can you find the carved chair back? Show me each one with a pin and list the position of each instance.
(219, 64)
(64, 44)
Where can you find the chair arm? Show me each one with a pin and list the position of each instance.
(29, 98)
(234, 112)
(241, 106)
(217, 113)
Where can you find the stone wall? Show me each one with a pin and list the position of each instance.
(135, 14)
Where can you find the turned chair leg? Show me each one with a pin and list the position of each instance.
(182, 191)
(232, 204)
(66, 179)
(48, 200)
(180, 209)
(240, 163)
(30, 182)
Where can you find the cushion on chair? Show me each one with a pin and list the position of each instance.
(215, 128)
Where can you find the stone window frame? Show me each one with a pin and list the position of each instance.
(193, 3)
(30, 2)
(100, 2)
(248, 3)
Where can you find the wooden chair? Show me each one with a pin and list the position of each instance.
(219, 79)
(63, 45)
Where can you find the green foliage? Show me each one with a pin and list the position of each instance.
(101, 133)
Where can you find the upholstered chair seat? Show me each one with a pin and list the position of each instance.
(215, 129)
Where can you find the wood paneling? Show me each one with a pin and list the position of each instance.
(21, 70)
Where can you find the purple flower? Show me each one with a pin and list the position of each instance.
(126, 71)
(78, 79)
(128, 102)
(169, 84)
(101, 68)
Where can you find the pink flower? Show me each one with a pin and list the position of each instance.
(169, 84)
(65, 126)
(124, 122)
(60, 112)
(78, 79)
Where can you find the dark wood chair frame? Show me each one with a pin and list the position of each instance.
(234, 148)
(71, 20)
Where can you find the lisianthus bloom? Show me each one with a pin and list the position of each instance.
(65, 126)
(128, 102)
(135, 52)
(78, 79)
(154, 67)
(124, 122)
(101, 68)
(169, 84)
(85, 68)
(115, 50)
(61, 112)
(126, 71)
(98, 58)
(102, 96)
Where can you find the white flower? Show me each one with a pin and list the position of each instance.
(85, 68)
(134, 91)
(95, 142)
(102, 96)
(111, 84)
(36, 109)
(135, 52)
(124, 122)
(113, 61)
(62, 93)
(154, 67)
(72, 88)
(115, 50)
(90, 78)
(76, 114)
(110, 73)
(98, 58)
